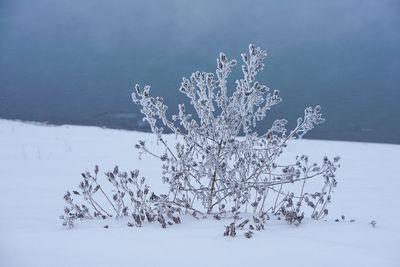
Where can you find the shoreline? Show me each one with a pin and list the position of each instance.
(46, 123)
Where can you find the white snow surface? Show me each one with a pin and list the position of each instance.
(38, 163)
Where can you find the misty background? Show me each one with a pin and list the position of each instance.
(76, 62)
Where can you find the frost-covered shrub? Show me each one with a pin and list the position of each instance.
(219, 163)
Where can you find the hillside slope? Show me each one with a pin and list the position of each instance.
(39, 163)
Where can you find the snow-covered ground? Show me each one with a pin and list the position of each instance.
(39, 163)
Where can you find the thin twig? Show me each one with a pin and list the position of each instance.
(213, 178)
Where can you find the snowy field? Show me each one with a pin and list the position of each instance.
(39, 163)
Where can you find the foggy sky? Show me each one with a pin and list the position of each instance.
(69, 61)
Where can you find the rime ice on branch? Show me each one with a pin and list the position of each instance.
(219, 165)
(211, 164)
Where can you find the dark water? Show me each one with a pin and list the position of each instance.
(75, 62)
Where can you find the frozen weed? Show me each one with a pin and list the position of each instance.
(219, 162)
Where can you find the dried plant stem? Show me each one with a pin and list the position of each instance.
(277, 197)
(182, 206)
(93, 205)
(301, 193)
(290, 182)
(271, 208)
(324, 206)
(213, 180)
(95, 202)
(169, 150)
(316, 204)
(109, 201)
(220, 200)
(263, 202)
(302, 188)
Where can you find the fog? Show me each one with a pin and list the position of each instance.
(76, 62)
